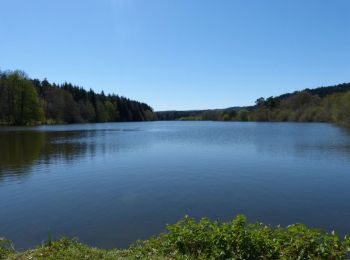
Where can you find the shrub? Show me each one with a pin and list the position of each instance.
(205, 239)
(239, 240)
(5, 248)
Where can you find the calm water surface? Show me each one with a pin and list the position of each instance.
(110, 184)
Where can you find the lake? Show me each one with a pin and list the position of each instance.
(111, 184)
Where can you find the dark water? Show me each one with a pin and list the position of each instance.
(110, 184)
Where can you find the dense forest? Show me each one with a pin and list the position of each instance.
(207, 114)
(324, 104)
(25, 101)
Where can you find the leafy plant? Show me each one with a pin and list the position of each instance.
(239, 240)
(5, 248)
(205, 239)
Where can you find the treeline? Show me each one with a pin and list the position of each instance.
(207, 114)
(324, 104)
(25, 101)
(303, 106)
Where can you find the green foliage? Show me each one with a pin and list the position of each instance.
(330, 104)
(211, 115)
(49, 240)
(240, 240)
(190, 118)
(65, 248)
(19, 102)
(226, 117)
(341, 113)
(229, 115)
(243, 115)
(5, 248)
(205, 239)
(324, 104)
(26, 102)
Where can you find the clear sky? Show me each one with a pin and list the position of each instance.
(180, 54)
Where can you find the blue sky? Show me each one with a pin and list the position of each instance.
(180, 54)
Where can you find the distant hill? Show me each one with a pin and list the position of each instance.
(322, 104)
(191, 114)
(320, 91)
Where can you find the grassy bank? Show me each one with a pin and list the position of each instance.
(205, 239)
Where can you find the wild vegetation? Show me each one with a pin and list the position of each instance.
(189, 239)
(325, 104)
(25, 101)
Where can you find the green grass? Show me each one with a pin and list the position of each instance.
(189, 239)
